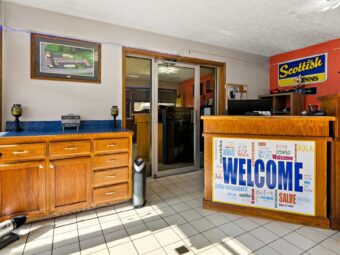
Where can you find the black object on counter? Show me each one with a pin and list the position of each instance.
(16, 111)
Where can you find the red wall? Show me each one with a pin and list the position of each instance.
(186, 89)
(330, 86)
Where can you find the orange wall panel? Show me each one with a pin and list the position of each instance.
(330, 86)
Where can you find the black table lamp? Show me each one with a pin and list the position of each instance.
(16, 111)
(114, 113)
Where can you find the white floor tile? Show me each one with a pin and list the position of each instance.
(92, 245)
(211, 251)
(191, 215)
(175, 220)
(198, 243)
(231, 229)
(185, 230)
(125, 248)
(146, 244)
(312, 234)
(181, 207)
(71, 249)
(331, 244)
(117, 237)
(320, 250)
(277, 228)
(215, 236)
(157, 225)
(177, 248)
(246, 223)
(264, 235)
(300, 241)
(285, 248)
(249, 241)
(266, 251)
(156, 252)
(202, 224)
(167, 237)
(105, 211)
(138, 231)
(65, 239)
(217, 219)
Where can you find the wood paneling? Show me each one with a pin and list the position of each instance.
(70, 183)
(110, 161)
(66, 184)
(115, 192)
(22, 189)
(272, 125)
(111, 145)
(331, 104)
(19, 152)
(334, 183)
(110, 176)
(262, 128)
(70, 148)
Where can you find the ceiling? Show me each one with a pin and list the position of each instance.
(264, 27)
(139, 69)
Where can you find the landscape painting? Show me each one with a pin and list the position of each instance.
(65, 59)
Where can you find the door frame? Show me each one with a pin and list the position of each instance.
(221, 74)
(154, 120)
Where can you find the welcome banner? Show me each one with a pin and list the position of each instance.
(312, 69)
(269, 174)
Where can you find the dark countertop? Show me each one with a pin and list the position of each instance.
(46, 128)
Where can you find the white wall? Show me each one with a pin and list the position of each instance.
(47, 100)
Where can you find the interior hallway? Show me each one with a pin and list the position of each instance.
(173, 222)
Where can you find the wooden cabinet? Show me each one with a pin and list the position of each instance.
(45, 176)
(70, 183)
(22, 189)
(293, 101)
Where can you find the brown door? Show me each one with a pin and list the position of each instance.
(70, 187)
(22, 189)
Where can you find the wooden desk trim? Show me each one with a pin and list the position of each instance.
(271, 128)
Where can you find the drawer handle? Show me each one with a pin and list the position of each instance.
(111, 160)
(110, 193)
(20, 152)
(111, 145)
(111, 176)
(71, 148)
(41, 166)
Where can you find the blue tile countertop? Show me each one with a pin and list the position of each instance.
(39, 128)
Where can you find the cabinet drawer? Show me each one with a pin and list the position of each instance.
(111, 161)
(111, 193)
(111, 145)
(70, 148)
(13, 152)
(111, 176)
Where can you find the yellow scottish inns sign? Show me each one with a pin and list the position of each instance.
(312, 69)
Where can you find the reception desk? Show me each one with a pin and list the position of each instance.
(268, 166)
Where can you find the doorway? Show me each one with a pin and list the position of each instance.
(176, 118)
(163, 102)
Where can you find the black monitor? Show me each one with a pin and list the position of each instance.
(247, 106)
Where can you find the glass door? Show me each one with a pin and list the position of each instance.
(175, 118)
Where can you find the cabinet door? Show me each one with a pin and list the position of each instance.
(70, 184)
(22, 189)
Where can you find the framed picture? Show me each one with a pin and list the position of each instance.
(208, 86)
(56, 58)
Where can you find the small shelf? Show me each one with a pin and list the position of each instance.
(292, 100)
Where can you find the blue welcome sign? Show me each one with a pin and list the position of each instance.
(269, 174)
(312, 69)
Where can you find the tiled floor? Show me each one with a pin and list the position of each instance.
(173, 222)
